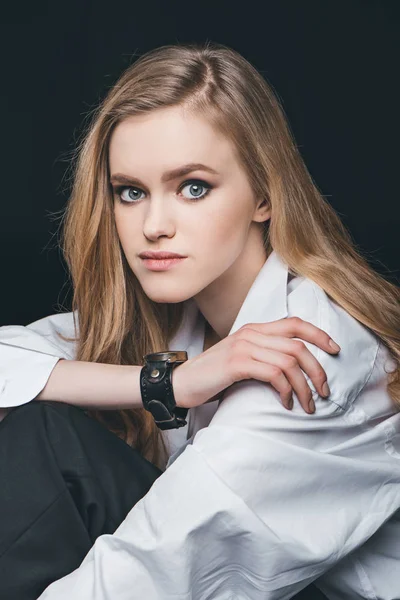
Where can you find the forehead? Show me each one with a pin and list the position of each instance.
(165, 139)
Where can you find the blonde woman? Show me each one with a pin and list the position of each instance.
(190, 153)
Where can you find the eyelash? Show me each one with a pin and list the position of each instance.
(120, 188)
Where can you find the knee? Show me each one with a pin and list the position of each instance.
(38, 412)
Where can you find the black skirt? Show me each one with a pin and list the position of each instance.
(65, 480)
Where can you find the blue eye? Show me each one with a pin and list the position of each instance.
(133, 195)
(121, 188)
(197, 184)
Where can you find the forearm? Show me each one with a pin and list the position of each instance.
(94, 385)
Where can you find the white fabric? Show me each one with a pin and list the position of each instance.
(259, 501)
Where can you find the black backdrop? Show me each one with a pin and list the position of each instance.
(334, 65)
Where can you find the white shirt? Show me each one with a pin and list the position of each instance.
(259, 501)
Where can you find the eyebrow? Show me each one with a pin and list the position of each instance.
(168, 175)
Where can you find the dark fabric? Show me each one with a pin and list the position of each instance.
(65, 480)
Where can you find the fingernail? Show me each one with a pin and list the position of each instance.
(311, 405)
(325, 389)
(290, 404)
(334, 346)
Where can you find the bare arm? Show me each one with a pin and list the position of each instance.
(94, 385)
(106, 386)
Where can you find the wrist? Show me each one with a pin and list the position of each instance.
(178, 387)
(156, 385)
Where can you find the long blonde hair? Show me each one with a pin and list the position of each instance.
(118, 323)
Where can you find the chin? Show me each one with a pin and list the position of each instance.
(164, 298)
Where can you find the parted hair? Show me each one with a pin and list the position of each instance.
(117, 322)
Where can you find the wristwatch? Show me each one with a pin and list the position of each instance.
(156, 388)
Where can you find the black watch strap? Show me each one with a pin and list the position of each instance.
(156, 388)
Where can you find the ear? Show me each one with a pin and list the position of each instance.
(263, 211)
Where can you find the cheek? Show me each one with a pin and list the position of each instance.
(227, 227)
(125, 228)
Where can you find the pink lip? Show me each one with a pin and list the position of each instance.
(161, 264)
(160, 255)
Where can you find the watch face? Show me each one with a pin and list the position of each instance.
(167, 356)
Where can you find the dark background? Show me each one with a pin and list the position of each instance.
(334, 64)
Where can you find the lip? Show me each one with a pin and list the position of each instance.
(160, 255)
(162, 264)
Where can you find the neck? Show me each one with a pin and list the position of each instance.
(210, 337)
(221, 301)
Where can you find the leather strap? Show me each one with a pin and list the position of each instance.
(157, 391)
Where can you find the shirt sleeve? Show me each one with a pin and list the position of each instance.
(28, 354)
(262, 503)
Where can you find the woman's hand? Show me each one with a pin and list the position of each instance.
(262, 351)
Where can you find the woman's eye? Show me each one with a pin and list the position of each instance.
(132, 195)
(195, 188)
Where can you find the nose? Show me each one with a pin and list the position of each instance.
(159, 219)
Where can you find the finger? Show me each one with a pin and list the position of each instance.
(253, 369)
(289, 366)
(297, 327)
(295, 348)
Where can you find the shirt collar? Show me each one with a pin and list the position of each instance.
(266, 300)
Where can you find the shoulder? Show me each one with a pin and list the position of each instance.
(42, 336)
(348, 371)
(60, 323)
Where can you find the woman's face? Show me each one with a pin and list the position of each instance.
(212, 218)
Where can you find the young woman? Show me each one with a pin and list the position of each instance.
(190, 153)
